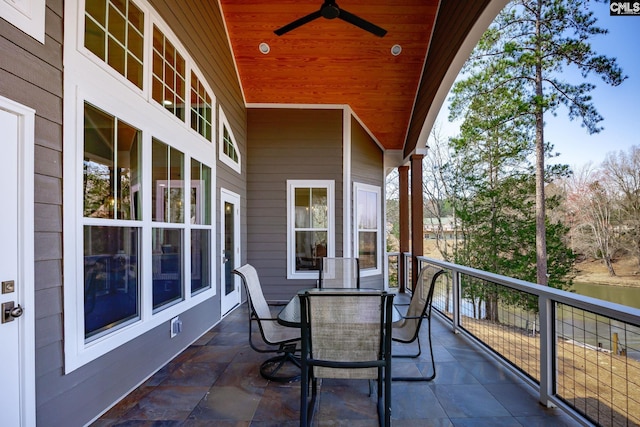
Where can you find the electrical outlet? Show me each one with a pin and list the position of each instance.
(176, 326)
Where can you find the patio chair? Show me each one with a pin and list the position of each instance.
(279, 339)
(346, 334)
(408, 330)
(339, 273)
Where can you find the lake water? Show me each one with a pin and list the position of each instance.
(619, 294)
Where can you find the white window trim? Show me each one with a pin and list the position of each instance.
(222, 122)
(358, 186)
(27, 15)
(92, 81)
(292, 184)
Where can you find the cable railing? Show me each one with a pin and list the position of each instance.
(582, 354)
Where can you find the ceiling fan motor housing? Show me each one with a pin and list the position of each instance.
(330, 10)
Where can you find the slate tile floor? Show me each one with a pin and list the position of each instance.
(215, 382)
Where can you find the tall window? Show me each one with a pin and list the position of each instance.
(114, 32)
(167, 178)
(112, 167)
(311, 226)
(368, 212)
(169, 75)
(201, 226)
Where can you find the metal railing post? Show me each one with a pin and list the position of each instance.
(455, 284)
(547, 350)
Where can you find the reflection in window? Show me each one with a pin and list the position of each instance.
(201, 109)
(311, 226)
(111, 278)
(112, 167)
(200, 193)
(200, 217)
(169, 75)
(200, 259)
(167, 268)
(114, 31)
(168, 181)
(368, 213)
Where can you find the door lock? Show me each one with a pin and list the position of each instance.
(10, 311)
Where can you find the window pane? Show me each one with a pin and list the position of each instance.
(310, 246)
(167, 178)
(200, 191)
(110, 176)
(111, 279)
(368, 249)
(302, 202)
(129, 170)
(94, 38)
(319, 208)
(167, 266)
(117, 24)
(176, 186)
(200, 259)
(97, 10)
(367, 210)
(98, 185)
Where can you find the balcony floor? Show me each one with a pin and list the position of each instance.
(215, 382)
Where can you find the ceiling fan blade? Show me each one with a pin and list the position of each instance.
(359, 22)
(298, 22)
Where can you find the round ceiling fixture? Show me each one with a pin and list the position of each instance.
(264, 48)
(396, 49)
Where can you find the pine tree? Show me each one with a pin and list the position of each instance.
(523, 55)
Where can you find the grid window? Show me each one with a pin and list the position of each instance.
(168, 87)
(114, 32)
(228, 152)
(311, 225)
(201, 110)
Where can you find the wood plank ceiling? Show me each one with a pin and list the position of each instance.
(332, 62)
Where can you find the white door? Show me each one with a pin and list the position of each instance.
(230, 244)
(17, 367)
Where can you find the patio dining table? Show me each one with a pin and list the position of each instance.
(290, 314)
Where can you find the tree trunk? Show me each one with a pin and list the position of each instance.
(541, 239)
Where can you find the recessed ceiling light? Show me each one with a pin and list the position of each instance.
(264, 48)
(396, 49)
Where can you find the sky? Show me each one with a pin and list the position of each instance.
(619, 106)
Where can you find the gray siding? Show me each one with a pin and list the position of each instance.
(287, 144)
(31, 74)
(367, 163)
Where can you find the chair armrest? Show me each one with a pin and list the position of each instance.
(414, 317)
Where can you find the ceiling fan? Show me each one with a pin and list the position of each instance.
(331, 10)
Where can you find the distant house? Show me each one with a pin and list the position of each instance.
(444, 227)
(152, 146)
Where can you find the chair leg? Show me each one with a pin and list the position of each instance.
(412, 356)
(433, 362)
(304, 396)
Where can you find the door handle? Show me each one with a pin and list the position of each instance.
(10, 311)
